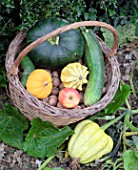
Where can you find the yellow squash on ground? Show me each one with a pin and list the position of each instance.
(89, 142)
(39, 83)
(74, 75)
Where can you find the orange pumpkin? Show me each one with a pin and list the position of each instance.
(39, 83)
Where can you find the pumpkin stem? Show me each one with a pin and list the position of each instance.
(54, 40)
(81, 77)
(57, 40)
(45, 83)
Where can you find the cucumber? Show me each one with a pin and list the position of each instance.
(95, 63)
(28, 67)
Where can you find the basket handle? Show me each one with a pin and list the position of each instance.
(14, 68)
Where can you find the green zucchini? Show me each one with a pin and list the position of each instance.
(95, 63)
(28, 67)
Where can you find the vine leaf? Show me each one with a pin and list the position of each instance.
(135, 141)
(12, 125)
(126, 33)
(43, 138)
(120, 97)
(130, 160)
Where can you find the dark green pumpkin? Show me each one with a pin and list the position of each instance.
(58, 51)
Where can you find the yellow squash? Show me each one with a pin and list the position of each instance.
(74, 75)
(39, 83)
(89, 142)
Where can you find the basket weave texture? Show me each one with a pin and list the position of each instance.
(32, 107)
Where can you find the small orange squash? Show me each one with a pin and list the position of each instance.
(39, 83)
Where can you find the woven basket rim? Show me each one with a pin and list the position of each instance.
(12, 65)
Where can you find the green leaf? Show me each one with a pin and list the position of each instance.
(135, 140)
(12, 125)
(126, 33)
(120, 97)
(130, 160)
(108, 37)
(111, 12)
(43, 138)
(3, 78)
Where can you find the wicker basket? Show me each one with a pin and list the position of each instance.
(32, 107)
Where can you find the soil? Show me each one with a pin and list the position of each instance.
(14, 159)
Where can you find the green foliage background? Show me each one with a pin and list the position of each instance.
(16, 15)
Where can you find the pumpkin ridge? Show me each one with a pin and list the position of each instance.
(69, 84)
(77, 132)
(91, 139)
(103, 151)
(100, 145)
(33, 84)
(43, 93)
(35, 91)
(80, 135)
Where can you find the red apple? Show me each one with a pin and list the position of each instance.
(69, 97)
